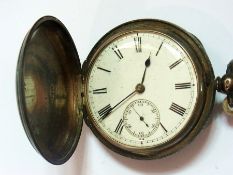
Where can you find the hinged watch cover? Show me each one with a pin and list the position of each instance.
(49, 85)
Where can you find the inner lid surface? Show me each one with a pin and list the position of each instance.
(49, 89)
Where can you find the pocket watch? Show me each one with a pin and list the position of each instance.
(146, 89)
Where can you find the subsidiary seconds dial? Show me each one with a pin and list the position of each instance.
(141, 118)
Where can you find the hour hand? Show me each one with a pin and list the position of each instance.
(147, 64)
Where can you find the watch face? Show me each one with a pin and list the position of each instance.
(142, 88)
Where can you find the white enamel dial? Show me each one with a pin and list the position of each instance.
(160, 66)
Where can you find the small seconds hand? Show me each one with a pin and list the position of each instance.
(141, 117)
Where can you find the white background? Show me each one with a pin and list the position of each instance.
(210, 20)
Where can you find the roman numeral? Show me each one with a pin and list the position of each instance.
(182, 85)
(104, 112)
(103, 69)
(100, 91)
(119, 127)
(117, 52)
(177, 109)
(159, 49)
(138, 43)
(175, 64)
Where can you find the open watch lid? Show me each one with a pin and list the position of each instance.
(48, 84)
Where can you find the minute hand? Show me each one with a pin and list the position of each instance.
(111, 109)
